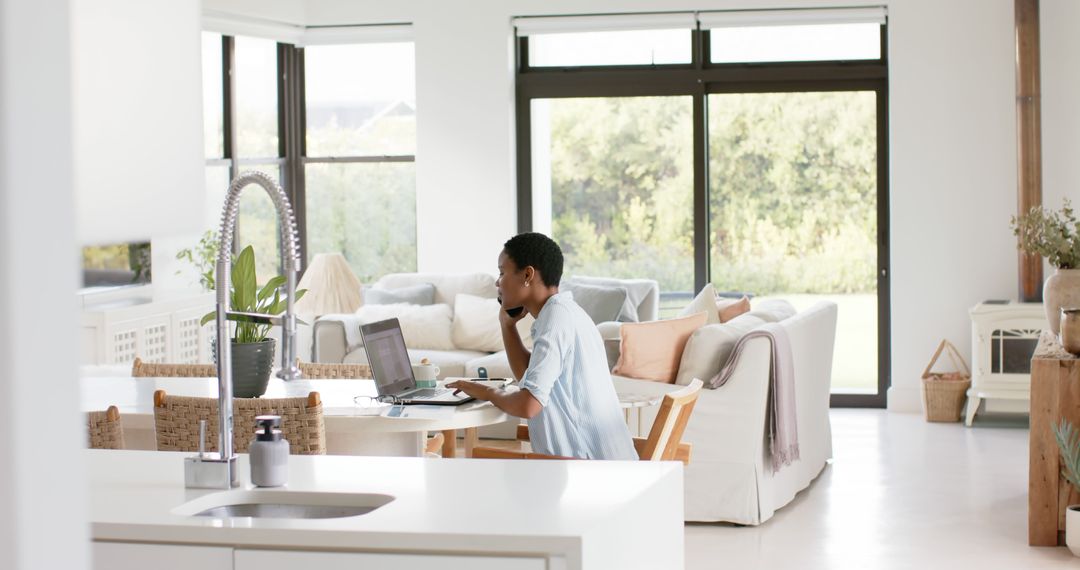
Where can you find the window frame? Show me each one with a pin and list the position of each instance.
(699, 79)
(292, 155)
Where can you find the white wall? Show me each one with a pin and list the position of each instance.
(952, 143)
(42, 489)
(138, 136)
(1060, 97)
(953, 175)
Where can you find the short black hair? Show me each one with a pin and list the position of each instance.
(539, 251)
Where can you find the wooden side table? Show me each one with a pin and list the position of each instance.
(1055, 395)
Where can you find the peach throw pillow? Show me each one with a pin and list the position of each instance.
(731, 308)
(652, 350)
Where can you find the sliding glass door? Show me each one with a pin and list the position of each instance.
(734, 162)
(793, 211)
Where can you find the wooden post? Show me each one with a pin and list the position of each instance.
(1028, 139)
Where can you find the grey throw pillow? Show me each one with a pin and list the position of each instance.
(419, 294)
(602, 304)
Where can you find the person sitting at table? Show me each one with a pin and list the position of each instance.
(566, 390)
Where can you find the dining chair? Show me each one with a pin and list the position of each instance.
(333, 370)
(140, 369)
(105, 429)
(176, 422)
(664, 441)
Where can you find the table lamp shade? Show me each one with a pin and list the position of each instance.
(332, 287)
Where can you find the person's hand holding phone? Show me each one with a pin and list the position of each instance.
(510, 316)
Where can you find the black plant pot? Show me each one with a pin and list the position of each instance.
(251, 365)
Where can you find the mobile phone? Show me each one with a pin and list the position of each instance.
(514, 311)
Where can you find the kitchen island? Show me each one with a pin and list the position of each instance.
(476, 514)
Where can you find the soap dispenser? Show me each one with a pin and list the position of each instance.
(269, 453)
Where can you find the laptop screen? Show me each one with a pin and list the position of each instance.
(388, 357)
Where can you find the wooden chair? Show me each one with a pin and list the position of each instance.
(105, 429)
(176, 422)
(140, 369)
(333, 371)
(663, 443)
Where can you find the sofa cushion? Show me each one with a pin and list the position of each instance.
(653, 350)
(423, 326)
(709, 348)
(476, 324)
(772, 310)
(641, 295)
(704, 302)
(496, 364)
(419, 294)
(601, 303)
(730, 308)
(447, 286)
(450, 362)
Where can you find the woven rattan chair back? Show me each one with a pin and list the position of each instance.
(105, 429)
(176, 422)
(334, 371)
(140, 369)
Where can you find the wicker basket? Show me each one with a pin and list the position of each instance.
(944, 393)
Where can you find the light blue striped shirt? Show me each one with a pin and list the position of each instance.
(568, 375)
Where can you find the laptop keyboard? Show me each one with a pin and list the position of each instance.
(427, 394)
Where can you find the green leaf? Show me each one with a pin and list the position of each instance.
(243, 276)
(271, 286)
(208, 317)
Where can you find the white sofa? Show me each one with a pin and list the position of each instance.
(330, 339)
(730, 474)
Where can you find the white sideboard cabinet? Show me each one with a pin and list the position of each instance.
(118, 326)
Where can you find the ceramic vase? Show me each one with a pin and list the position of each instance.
(1072, 529)
(1062, 289)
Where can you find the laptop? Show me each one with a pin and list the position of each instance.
(390, 365)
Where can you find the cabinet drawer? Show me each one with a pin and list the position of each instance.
(133, 556)
(286, 560)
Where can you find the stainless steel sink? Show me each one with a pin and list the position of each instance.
(282, 511)
(282, 505)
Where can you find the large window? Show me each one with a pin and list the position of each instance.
(335, 126)
(620, 171)
(757, 163)
(361, 145)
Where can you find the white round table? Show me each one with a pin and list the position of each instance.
(350, 429)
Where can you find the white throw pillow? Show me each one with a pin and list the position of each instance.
(705, 302)
(476, 324)
(423, 326)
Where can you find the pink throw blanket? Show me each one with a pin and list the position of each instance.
(780, 413)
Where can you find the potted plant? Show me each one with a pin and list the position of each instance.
(252, 352)
(1054, 235)
(203, 257)
(1068, 441)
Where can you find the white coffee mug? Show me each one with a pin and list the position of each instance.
(425, 372)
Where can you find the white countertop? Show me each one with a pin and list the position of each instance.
(486, 506)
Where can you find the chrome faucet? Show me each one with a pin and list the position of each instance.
(220, 472)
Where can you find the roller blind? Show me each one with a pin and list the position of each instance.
(526, 26)
(536, 25)
(814, 16)
(366, 34)
(232, 25)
